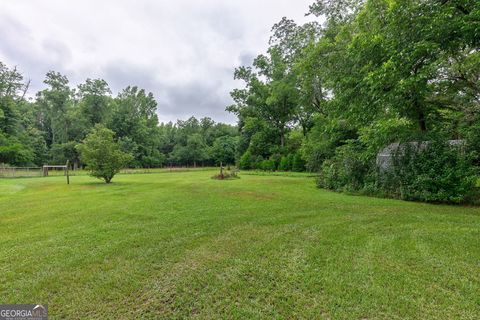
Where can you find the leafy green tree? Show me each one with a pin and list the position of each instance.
(17, 134)
(95, 101)
(11, 82)
(134, 117)
(195, 149)
(192, 141)
(60, 153)
(224, 149)
(54, 104)
(14, 152)
(193, 152)
(102, 154)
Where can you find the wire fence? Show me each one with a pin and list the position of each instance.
(26, 172)
(17, 172)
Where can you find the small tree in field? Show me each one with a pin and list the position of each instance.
(102, 154)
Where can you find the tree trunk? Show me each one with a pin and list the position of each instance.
(304, 130)
(282, 137)
(420, 115)
(421, 121)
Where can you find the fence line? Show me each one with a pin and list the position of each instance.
(25, 172)
(12, 172)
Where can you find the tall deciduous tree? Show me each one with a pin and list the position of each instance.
(135, 122)
(54, 103)
(95, 101)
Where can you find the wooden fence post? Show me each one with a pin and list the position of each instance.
(66, 169)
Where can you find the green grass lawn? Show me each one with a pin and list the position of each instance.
(181, 245)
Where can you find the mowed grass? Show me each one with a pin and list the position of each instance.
(181, 245)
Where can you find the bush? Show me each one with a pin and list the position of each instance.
(285, 164)
(102, 154)
(323, 139)
(347, 170)
(268, 165)
(258, 163)
(298, 164)
(433, 172)
(276, 158)
(14, 152)
(246, 162)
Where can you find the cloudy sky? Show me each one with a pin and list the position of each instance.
(182, 51)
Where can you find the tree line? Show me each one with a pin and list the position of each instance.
(326, 97)
(47, 128)
(362, 75)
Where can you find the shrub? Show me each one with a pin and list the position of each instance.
(285, 164)
(268, 165)
(276, 158)
(347, 170)
(298, 164)
(433, 172)
(102, 154)
(258, 163)
(246, 162)
(14, 152)
(323, 139)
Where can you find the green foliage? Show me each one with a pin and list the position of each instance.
(325, 97)
(9, 116)
(134, 121)
(246, 161)
(257, 162)
(347, 170)
(15, 153)
(322, 141)
(102, 154)
(60, 153)
(429, 171)
(298, 164)
(193, 152)
(47, 129)
(224, 149)
(54, 106)
(193, 142)
(95, 101)
(285, 164)
(268, 165)
(434, 172)
(375, 73)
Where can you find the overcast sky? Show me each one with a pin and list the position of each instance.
(182, 51)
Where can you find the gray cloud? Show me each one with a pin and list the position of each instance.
(195, 98)
(246, 58)
(182, 51)
(122, 74)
